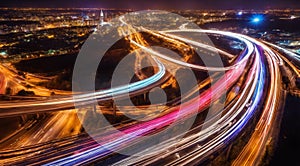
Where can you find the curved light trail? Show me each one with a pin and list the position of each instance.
(12, 109)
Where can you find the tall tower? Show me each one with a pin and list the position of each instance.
(101, 18)
(102, 22)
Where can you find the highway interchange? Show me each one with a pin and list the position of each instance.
(255, 72)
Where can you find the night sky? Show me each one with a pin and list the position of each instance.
(156, 4)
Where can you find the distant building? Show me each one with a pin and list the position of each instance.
(86, 20)
(101, 17)
(102, 22)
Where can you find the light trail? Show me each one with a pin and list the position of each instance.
(292, 59)
(194, 43)
(253, 151)
(249, 46)
(11, 109)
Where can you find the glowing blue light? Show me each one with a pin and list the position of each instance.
(240, 13)
(257, 19)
